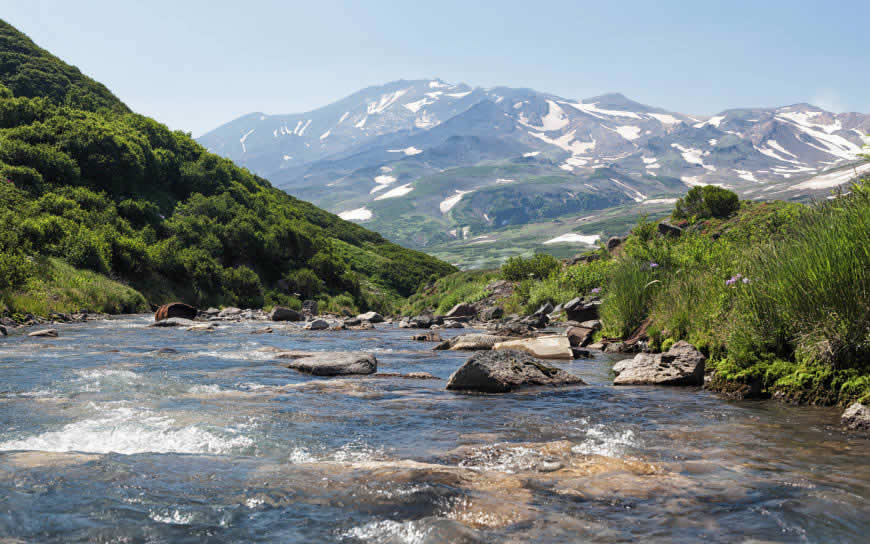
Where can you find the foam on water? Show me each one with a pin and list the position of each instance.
(388, 531)
(500, 459)
(607, 441)
(172, 517)
(127, 430)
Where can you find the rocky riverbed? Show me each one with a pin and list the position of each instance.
(114, 430)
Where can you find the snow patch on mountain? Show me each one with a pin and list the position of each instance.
(664, 118)
(628, 132)
(245, 137)
(447, 204)
(595, 111)
(574, 238)
(401, 190)
(385, 102)
(407, 151)
(359, 214)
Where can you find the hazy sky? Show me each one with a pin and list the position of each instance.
(197, 64)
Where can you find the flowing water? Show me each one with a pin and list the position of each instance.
(117, 433)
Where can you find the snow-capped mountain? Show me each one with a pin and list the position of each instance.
(427, 161)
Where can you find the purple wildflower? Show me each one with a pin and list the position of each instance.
(745, 280)
(731, 281)
(653, 265)
(596, 290)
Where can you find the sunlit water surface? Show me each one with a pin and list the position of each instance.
(104, 438)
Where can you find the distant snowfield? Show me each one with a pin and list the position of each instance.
(407, 151)
(359, 214)
(574, 238)
(826, 181)
(447, 204)
(401, 190)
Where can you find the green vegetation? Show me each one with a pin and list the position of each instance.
(57, 287)
(443, 294)
(777, 294)
(84, 180)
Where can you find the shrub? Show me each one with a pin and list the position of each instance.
(538, 267)
(243, 285)
(706, 201)
(15, 269)
(306, 283)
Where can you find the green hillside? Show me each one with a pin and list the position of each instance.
(85, 180)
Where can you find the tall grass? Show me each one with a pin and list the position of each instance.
(59, 287)
(809, 296)
(628, 296)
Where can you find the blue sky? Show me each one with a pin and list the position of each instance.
(197, 64)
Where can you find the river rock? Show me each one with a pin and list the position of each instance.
(265, 330)
(230, 312)
(683, 364)
(331, 363)
(175, 309)
(408, 376)
(491, 313)
(362, 326)
(463, 309)
(471, 342)
(3, 331)
(427, 337)
(371, 317)
(173, 322)
(542, 347)
(317, 325)
(580, 310)
(507, 370)
(310, 307)
(579, 336)
(513, 329)
(280, 313)
(45, 333)
(204, 327)
(857, 417)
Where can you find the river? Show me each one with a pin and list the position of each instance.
(115, 432)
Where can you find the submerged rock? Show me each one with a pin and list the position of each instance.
(408, 376)
(427, 337)
(857, 417)
(173, 322)
(46, 333)
(205, 327)
(280, 313)
(471, 342)
(683, 364)
(325, 363)
(506, 370)
(175, 309)
(542, 347)
(265, 330)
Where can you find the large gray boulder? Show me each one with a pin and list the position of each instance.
(310, 307)
(579, 309)
(542, 347)
(683, 364)
(317, 325)
(463, 309)
(503, 371)
(280, 313)
(857, 417)
(229, 312)
(371, 317)
(340, 363)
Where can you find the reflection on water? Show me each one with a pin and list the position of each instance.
(115, 432)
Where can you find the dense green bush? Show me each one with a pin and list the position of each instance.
(537, 267)
(707, 201)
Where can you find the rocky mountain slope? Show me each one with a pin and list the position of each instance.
(427, 162)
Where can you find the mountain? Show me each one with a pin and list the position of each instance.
(87, 181)
(428, 163)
